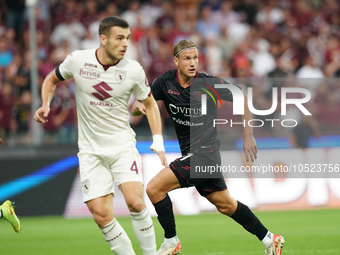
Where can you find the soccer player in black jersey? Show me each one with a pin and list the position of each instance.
(180, 90)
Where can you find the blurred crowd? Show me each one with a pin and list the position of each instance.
(252, 43)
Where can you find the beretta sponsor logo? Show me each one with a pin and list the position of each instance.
(89, 73)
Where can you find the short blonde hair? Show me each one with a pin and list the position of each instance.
(182, 45)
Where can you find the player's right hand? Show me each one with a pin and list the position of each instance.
(158, 147)
(161, 155)
(41, 114)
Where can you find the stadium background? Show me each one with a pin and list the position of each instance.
(259, 44)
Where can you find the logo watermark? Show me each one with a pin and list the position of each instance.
(239, 105)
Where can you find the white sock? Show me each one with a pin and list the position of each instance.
(117, 238)
(268, 239)
(173, 241)
(144, 231)
(0, 213)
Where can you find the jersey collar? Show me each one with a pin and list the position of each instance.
(196, 75)
(104, 66)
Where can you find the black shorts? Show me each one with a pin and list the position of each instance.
(182, 166)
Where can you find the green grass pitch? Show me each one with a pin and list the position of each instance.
(308, 232)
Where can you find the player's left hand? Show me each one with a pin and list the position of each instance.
(0, 141)
(250, 149)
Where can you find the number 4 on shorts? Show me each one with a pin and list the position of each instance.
(134, 167)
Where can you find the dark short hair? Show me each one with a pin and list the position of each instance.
(183, 44)
(111, 21)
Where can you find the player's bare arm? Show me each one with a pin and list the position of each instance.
(47, 93)
(154, 119)
(138, 108)
(249, 143)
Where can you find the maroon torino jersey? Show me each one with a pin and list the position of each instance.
(193, 129)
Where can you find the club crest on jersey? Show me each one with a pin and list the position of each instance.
(120, 75)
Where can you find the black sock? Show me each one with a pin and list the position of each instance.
(244, 216)
(166, 216)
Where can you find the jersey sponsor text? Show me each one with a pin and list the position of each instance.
(89, 73)
(101, 103)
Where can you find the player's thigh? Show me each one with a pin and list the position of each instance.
(131, 189)
(163, 182)
(96, 177)
(133, 195)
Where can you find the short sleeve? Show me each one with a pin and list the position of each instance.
(65, 70)
(225, 93)
(156, 89)
(141, 87)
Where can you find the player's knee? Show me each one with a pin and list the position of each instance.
(136, 205)
(102, 216)
(226, 209)
(100, 220)
(151, 189)
(154, 192)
